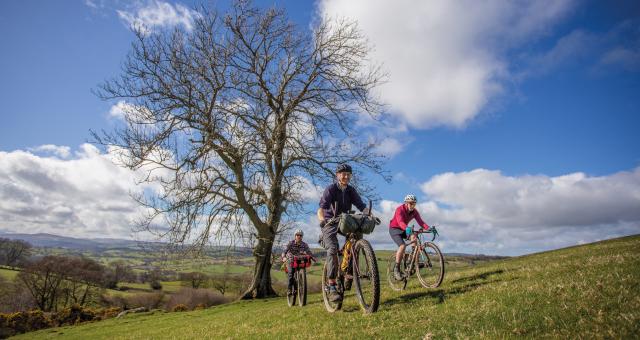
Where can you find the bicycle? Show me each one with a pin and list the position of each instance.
(300, 263)
(362, 268)
(425, 260)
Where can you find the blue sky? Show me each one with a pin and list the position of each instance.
(515, 124)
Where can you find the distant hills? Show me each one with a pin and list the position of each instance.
(54, 241)
(44, 240)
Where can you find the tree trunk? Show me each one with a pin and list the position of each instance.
(261, 284)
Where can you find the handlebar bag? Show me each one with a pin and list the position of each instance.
(357, 223)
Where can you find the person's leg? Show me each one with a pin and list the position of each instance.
(330, 243)
(290, 273)
(397, 237)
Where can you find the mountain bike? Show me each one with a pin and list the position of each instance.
(361, 269)
(425, 260)
(299, 263)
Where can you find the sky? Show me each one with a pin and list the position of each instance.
(515, 123)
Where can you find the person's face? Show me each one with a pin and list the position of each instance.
(343, 178)
(298, 238)
(410, 205)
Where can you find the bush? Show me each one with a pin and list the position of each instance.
(180, 308)
(193, 298)
(155, 285)
(21, 322)
(148, 300)
(73, 315)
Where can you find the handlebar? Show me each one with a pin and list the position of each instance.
(431, 230)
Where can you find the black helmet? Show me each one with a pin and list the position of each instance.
(344, 167)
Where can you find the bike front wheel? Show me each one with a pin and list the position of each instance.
(365, 276)
(430, 265)
(330, 306)
(302, 287)
(396, 285)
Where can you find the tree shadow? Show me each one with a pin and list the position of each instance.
(479, 276)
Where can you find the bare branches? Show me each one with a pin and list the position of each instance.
(229, 117)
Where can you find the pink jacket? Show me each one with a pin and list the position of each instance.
(402, 217)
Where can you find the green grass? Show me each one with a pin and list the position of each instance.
(8, 274)
(590, 291)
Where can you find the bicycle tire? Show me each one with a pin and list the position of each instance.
(328, 305)
(393, 283)
(302, 287)
(291, 298)
(366, 278)
(432, 262)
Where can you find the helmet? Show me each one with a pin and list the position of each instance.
(411, 198)
(344, 167)
(299, 232)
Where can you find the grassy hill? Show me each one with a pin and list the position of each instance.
(589, 291)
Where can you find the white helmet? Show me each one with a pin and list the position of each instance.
(410, 198)
(299, 232)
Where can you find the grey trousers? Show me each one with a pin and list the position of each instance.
(329, 241)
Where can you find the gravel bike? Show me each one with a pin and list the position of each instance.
(299, 263)
(425, 260)
(361, 269)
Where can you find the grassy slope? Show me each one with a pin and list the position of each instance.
(586, 291)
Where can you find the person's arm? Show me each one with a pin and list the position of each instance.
(320, 214)
(420, 221)
(399, 217)
(325, 204)
(286, 250)
(357, 200)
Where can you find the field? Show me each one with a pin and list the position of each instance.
(589, 291)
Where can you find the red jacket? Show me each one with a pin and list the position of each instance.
(403, 216)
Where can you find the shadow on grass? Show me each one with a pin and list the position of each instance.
(480, 276)
(441, 294)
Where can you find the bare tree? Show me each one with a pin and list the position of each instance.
(236, 118)
(13, 252)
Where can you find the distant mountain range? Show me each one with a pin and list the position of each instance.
(43, 240)
(55, 241)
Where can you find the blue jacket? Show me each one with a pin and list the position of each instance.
(344, 198)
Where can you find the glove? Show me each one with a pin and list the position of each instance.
(408, 231)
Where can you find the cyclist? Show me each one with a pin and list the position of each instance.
(399, 230)
(295, 247)
(337, 198)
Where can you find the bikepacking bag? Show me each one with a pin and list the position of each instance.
(357, 223)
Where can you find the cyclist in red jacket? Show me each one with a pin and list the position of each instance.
(399, 230)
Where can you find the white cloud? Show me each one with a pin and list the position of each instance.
(60, 151)
(488, 212)
(157, 14)
(84, 196)
(446, 59)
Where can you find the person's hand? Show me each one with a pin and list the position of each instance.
(409, 230)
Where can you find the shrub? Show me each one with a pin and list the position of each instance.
(180, 308)
(148, 300)
(195, 297)
(110, 312)
(155, 285)
(21, 322)
(73, 315)
(200, 306)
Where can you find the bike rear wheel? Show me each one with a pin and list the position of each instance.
(395, 284)
(430, 266)
(291, 298)
(302, 287)
(330, 306)
(365, 276)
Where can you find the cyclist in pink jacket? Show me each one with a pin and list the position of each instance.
(400, 231)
